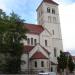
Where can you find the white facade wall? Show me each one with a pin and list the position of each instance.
(39, 68)
(46, 36)
(34, 36)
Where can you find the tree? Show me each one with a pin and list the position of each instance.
(65, 62)
(12, 32)
(71, 64)
(62, 61)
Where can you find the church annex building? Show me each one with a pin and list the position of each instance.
(44, 41)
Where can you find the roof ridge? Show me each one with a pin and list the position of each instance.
(51, 1)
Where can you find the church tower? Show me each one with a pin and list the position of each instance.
(48, 17)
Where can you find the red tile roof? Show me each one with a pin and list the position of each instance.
(50, 1)
(27, 48)
(38, 55)
(33, 28)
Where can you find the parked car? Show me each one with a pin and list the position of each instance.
(47, 73)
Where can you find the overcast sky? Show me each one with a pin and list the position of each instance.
(27, 10)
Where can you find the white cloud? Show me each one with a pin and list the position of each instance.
(2, 5)
(67, 17)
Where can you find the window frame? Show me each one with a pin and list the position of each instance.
(28, 41)
(53, 11)
(55, 51)
(31, 41)
(35, 41)
(53, 32)
(35, 64)
(48, 10)
(46, 43)
(51, 69)
(42, 63)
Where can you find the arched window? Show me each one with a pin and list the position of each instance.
(55, 52)
(51, 69)
(35, 63)
(48, 10)
(31, 41)
(42, 63)
(35, 41)
(28, 41)
(53, 11)
(45, 42)
(53, 32)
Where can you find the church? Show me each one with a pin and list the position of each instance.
(44, 40)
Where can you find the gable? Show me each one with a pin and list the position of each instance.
(39, 49)
(46, 33)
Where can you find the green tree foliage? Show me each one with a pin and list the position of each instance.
(71, 64)
(12, 32)
(62, 61)
(65, 62)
